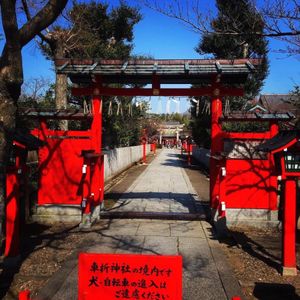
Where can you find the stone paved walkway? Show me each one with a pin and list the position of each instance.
(163, 187)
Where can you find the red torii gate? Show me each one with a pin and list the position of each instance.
(220, 77)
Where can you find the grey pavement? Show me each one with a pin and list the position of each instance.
(162, 187)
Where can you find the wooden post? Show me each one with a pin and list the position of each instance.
(101, 179)
(97, 144)
(12, 243)
(189, 146)
(24, 295)
(289, 267)
(216, 147)
(144, 152)
(86, 209)
(274, 129)
(96, 127)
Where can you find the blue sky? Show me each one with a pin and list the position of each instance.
(163, 37)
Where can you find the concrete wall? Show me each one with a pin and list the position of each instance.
(202, 155)
(119, 159)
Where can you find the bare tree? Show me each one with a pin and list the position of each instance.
(34, 88)
(17, 35)
(281, 19)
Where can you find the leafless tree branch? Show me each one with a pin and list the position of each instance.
(281, 19)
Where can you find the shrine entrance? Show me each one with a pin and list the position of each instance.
(71, 165)
(218, 78)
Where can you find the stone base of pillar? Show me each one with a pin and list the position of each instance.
(289, 271)
(86, 221)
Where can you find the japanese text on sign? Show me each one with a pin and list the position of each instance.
(127, 276)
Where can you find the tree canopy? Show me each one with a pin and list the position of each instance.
(238, 16)
(94, 30)
(233, 16)
(97, 30)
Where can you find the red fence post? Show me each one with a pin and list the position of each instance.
(86, 201)
(144, 152)
(12, 243)
(24, 295)
(216, 147)
(289, 229)
(101, 178)
(97, 137)
(189, 153)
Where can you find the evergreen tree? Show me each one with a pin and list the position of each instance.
(102, 32)
(96, 30)
(240, 18)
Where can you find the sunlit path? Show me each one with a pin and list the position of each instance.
(162, 188)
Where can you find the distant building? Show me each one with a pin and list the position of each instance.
(277, 103)
(170, 131)
(257, 109)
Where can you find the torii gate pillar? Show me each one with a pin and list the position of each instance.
(93, 191)
(216, 147)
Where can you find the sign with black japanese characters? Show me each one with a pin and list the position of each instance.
(128, 276)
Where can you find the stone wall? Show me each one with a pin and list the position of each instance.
(119, 159)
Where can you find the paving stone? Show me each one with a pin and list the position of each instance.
(160, 245)
(187, 229)
(130, 244)
(157, 206)
(122, 227)
(105, 245)
(133, 205)
(197, 259)
(155, 228)
(180, 208)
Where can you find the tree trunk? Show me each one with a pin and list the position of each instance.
(7, 126)
(11, 73)
(61, 84)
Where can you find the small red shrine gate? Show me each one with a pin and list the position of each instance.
(71, 172)
(16, 185)
(285, 151)
(71, 165)
(246, 179)
(218, 77)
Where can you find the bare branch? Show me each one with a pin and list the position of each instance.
(280, 17)
(34, 88)
(9, 19)
(41, 20)
(28, 16)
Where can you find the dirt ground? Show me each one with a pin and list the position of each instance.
(253, 254)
